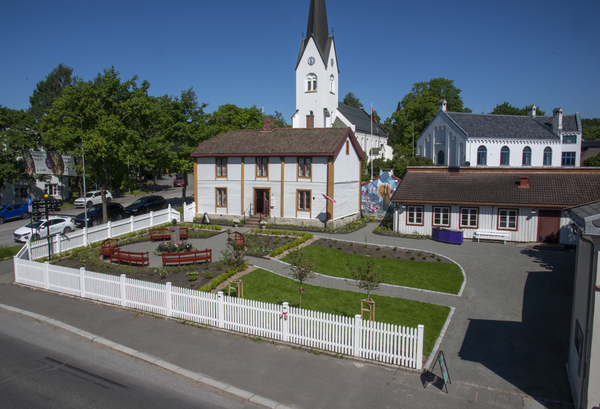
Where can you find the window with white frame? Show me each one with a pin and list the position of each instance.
(221, 167)
(21, 192)
(441, 216)
(311, 83)
(303, 167)
(51, 189)
(221, 197)
(262, 167)
(468, 217)
(304, 199)
(507, 219)
(414, 215)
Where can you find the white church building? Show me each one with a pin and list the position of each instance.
(317, 89)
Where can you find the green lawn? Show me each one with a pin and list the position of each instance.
(263, 286)
(433, 276)
(8, 252)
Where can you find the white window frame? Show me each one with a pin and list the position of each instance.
(304, 200)
(413, 213)
(441, 216)
(221, 196)
(508, 219)
(472, 214)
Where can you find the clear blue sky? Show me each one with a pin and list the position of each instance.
(244, 52)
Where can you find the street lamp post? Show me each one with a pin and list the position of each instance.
(84, 188)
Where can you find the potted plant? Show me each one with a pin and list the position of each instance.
(236, 222)
(263, 224)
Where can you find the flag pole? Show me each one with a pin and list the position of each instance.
(371, 152)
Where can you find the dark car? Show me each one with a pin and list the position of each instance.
(13, 211)
(115, 212)
(146, 204)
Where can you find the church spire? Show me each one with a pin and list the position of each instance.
(317, 23)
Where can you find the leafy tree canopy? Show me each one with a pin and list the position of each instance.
(419, 107)
(593, 161)
(399, 164)
(508, 109)
(16, 137)
(351, 100)
(591, 129)
(48, 90)
(280, 121)
(229, 117)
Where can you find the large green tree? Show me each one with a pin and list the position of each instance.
(351, 100)
(229, 117)
(508, 109)
(419, 106)
(50, 89)
(591, 128)
(17, 138)
(106, 117)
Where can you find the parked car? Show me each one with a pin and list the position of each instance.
(13, 211)
(94, 215)
(35, 230)
(93, 197)
(146, 204)
(179, 181)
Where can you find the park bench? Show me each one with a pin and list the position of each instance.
(119, 256)
(187, 258)
(491, 235)
(237, 239)
(107, 246)
(165, 234)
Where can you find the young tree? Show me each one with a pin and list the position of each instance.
(302, 266)
(49, 90)
(365, 273)
(108, 118)
(16, 138)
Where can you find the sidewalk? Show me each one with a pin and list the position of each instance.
(495, 346)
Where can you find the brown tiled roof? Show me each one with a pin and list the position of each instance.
(279, 141)
(547, 187)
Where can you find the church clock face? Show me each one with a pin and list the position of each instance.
(311, 60)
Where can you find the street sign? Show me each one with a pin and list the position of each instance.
(29, 205)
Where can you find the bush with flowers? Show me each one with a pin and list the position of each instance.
(174, 247)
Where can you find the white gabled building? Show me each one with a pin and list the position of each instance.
(462, 139)
(317, 89)
(281, 175)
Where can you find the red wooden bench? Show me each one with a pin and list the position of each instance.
(237, 239)
(119, 256)
(185, 258)
(107, 246)
(165, 234)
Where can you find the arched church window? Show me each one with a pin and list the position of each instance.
(441, 159)
(311, 82)
(505, 156)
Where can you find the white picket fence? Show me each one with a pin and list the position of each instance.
(80, 238)
(189, 212)
(344, 335)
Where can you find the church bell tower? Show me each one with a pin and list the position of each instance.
(316, 73)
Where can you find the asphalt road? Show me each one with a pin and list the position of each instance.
(165, 189)
(45, 367)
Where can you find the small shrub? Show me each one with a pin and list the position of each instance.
(412, 258)
(424, 257)
(330, 245)
(384, 256)
(395, 249)
(340, 247)
(208, 276)
(439, 259)
(378, 248)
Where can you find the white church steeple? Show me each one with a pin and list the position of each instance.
(316, 72)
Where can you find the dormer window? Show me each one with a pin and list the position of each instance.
(311, 83)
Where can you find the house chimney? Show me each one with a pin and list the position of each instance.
(524, 184)
(442, 105)
(268, 123)
(310, 121)
(531, 111)
(557, 120)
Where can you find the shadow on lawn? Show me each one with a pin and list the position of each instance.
(531, 354)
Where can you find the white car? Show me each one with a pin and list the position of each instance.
(36, 230)
(93, 197)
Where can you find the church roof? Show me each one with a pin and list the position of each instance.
(318, 29)
(509, 126)
(360, 119)
(278, 142)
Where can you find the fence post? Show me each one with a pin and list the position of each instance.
(123, 295)
(419, 358)
(29, 249)
(82, 282)
(109, 229)
(285, 326)
(85, 241)
(169, 300)
(46, 275)
(152, 219)
(220, 310)
(131, 224)
(58, 244)
(357, 345)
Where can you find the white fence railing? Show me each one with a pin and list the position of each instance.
(345, 335)
(80, 238)
(189, 212)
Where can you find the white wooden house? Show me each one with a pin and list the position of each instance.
(522, 205)
(281, 174)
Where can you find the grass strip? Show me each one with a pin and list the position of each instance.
(9, 252)
(433, 276)
(264, 286)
